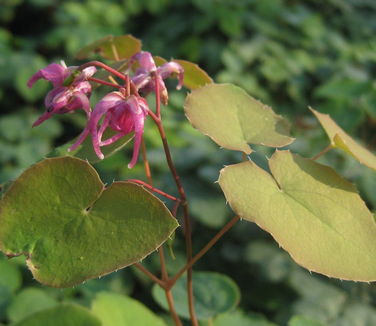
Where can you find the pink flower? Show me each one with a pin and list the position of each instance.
(70, 92)
(144, 79)
(122, 114)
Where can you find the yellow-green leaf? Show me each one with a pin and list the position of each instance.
(233, 119)
(112, 47)
(340, 139)
(311, 211)
(194, 76)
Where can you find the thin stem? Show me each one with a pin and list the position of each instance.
(183, 197)
(157, 95)
(325, 150)
(170, 299)
(204, 250)
(146, 162)
(158, 191)
(171, 306)
(165, 278)
(150, 275)
(103, 82)
(104, 66)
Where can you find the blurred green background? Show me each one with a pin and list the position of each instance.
(289, 54)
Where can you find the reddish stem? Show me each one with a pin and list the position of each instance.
(183, 198)
(103, 82)
(150, 275)
(158, 191)
(104, 66)
(203, 251)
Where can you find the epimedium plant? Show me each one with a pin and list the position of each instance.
(71, 227)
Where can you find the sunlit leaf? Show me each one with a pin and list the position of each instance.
(118, 310)
(232, 118)
(312, 212)
(214, 294)
(340, 139)
(71, 228)
(194, 76)
(112, 47)
(63, 315)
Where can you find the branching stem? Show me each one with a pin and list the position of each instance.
(204, 250)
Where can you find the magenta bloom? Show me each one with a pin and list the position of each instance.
(144, 79)
(122, 114)
(64, 98)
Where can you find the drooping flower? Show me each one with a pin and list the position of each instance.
(148, 73)
(70, 92)
(120, 113)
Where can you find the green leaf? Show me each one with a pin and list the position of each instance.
(304, 321)
(340, 139)
(194, 76)
(71, 228)
(214, 294)
(86, 151)
(311, 211)
(63, 315)
(118, 310)
(232, 118)
(112, 47)
(10, 276)
(238, 318)
(28, 302)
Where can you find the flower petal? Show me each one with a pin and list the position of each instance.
(54, 73)
(170, 68)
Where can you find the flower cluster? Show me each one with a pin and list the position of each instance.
(124, 111)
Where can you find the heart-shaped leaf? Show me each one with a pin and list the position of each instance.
(340, 139)
(86, 151)
(312, 212)
(118, 310)
(232, 118)
(63, 315)
(71, 228)
(112, 47)
(194, 76)
(214, 294)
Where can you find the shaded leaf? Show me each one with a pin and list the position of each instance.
(10, 276)
(71, 228)
(214, 294)
(86, 151)
(238, 318)
(63, 315)
(312, 212)
(340, 139)
(304, 321)
(118, 310)
(28, 302)
(232, 118)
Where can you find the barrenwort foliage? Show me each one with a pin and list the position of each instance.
(71, 227)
